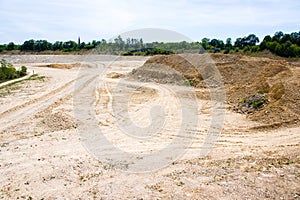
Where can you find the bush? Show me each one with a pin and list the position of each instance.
(23, 71)
(190, 83)
(8, 71)
(255, 102)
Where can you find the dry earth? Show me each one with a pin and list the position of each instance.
(43, 155)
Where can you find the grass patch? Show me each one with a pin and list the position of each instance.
(31, 78)
(189, 83)
(11, 84)
(8, 91)
(36, 77)
(256, 101)
(9, 88)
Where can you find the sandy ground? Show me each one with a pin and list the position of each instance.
(47, 149)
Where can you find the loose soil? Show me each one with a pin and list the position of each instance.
(43, 155)
(243, 77)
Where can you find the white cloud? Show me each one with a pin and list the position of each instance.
(95, 19)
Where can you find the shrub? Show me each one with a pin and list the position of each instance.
(256, 101)
(8, 71)
(23, 71)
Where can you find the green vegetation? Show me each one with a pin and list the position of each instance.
(16, 85)
(147, 52)
(190, 83)
(9, 72)
(256, 101)
(36, 77)
(8, 89)
(285, 45)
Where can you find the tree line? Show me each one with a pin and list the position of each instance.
(286, 45)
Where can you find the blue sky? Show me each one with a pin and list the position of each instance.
(96, 19)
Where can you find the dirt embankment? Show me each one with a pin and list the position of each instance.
(277, 81)
(167, 69)
(65, 66)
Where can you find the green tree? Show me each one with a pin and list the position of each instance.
(69, 45)
(42, 45)
(7, 71)
(23, 71)
(57, 46)
(120, 44)
(264, 44)
(238, 43)
(250, 40)
(11, 46)
(228, 44)
(27, 45)
(205, 43)
(217, 43)
(277, 37)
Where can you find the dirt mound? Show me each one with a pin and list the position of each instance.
(58, 121)
(277, 80)
(248, 79)
(244, 77)
(171, 69)
(157, 73)
(60, 66)
(65, 66)
(114, 75)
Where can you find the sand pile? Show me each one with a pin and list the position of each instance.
(65, 66)
(58, 121)
(114, 75)
(171, 69)
(277, 81)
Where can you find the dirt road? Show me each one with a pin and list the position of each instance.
(48, 140)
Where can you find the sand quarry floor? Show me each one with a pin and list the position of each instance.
(51, 146)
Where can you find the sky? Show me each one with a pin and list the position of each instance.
(62, 20)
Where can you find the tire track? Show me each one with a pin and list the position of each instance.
(52, 93)
(54, 98)
(69, 95)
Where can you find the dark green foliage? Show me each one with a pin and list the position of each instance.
(8, 72)
(2, 47)
(250, 40)
(42, 45)
(158, 51)
(286, 45)
(27, 45)
(228, 45)
(148, 52)
(217, 44)
(205, 43)
(11, 46)
(23, 71)
(57, 46)
(69, 46)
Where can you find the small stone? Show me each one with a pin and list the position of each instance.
(281, 175)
